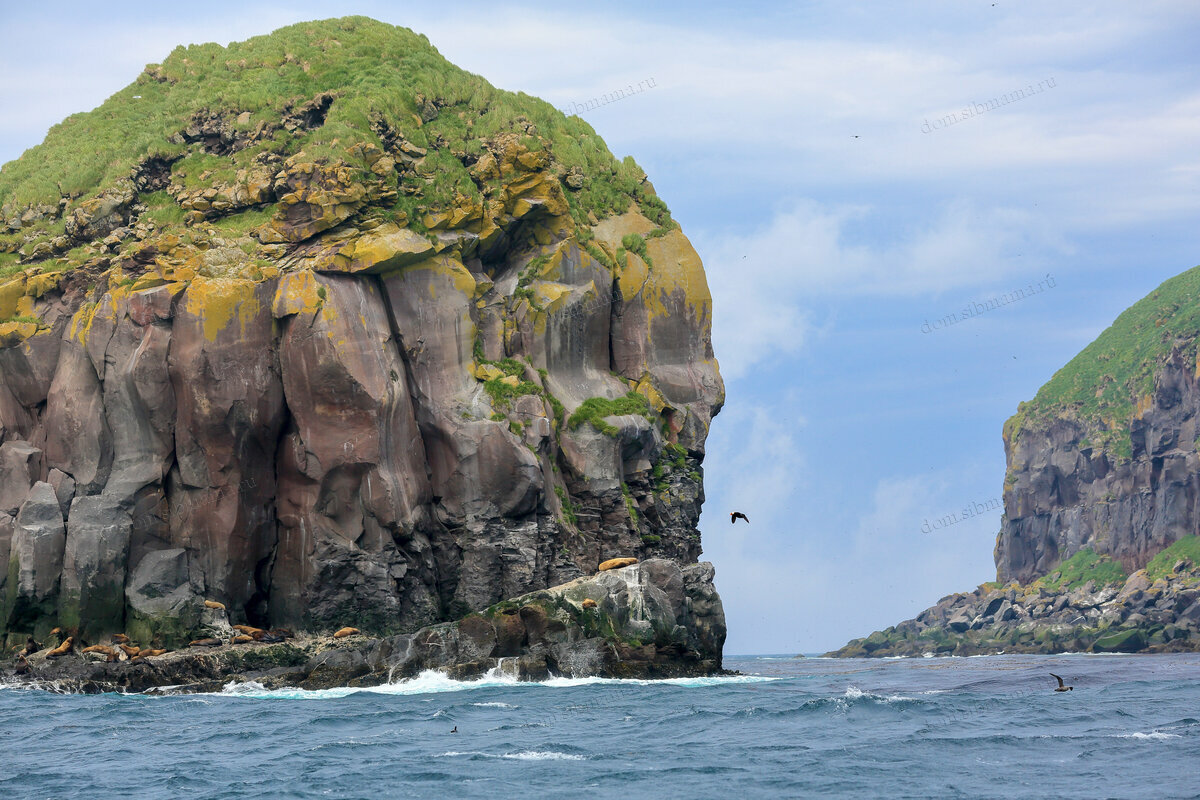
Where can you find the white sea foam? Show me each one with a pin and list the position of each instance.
(524, 755)
(1152, 735)
(854, 693)
(434, 682)
(540, 755)
(493, 705)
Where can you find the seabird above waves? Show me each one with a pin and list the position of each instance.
(1061, 687)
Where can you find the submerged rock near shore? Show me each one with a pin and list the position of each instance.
(1097, 549)
(324, 330)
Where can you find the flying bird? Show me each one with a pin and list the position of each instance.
(1061, 687)
(736, 515)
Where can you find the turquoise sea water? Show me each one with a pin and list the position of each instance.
(937, 727)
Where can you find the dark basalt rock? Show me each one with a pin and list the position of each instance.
(349, 413)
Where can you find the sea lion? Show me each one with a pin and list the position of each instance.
(56, 632)
(62, 649)
(130, 650)
(250, 630)
(214, 604)
(109, 653)
(241, 639)
(31, 647)
(119, 638)
(344, 632)
(22, 664)
(616, 563)
(589, 603)
(282, 633)
(149, 654)
(205, 643)
(1061, 687)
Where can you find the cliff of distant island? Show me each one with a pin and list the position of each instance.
(1098, 547)
(318, 331)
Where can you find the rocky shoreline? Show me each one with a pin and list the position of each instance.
(652, 619)
(1138, 616)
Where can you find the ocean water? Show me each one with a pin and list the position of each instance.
(936, 727)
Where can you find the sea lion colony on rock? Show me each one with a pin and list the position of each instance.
(122, 648)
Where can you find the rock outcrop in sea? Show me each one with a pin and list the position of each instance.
(322, 329)
(1098, 547)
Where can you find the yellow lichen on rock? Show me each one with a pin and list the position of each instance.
(677, 269)
(13, 333)
(219, 300)
(488, 372)
(384, 248)
(297, 293)
(645, 387)
(43, 282)
(1144, 404)
(449, 266)
(10, 293)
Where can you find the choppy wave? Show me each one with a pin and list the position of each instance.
(434, 682)
(794, 728)
(1150, 735)
(527, 755)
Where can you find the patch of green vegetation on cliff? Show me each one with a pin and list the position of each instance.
(568, 507)
(1101, 386)
(634, 243)
(595, 409)
(1186, 549)
(630, 507)
(385, 81)
(1086, 565)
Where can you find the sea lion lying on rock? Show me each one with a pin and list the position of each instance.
(344, 632)
(130, 650)
(62, 649)
(241, 639)
(214, 604)
(205, 643)
(251, 631)
(616, 563)
(588, 603)
(148, 654)
(109, 653)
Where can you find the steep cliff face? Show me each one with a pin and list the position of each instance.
(1098, 548)
(1105, 457)
(332, 332)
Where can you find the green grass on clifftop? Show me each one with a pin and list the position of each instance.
(375, 71)
(1101, 385)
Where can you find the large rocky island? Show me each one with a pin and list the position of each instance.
(1098, 548)
(318, 331)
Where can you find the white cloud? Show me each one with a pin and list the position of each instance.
(762, 281)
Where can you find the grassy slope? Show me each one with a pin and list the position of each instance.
(1186, 549)
(373, 68)
(1101, 385)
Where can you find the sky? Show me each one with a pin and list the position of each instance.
(799, 146)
